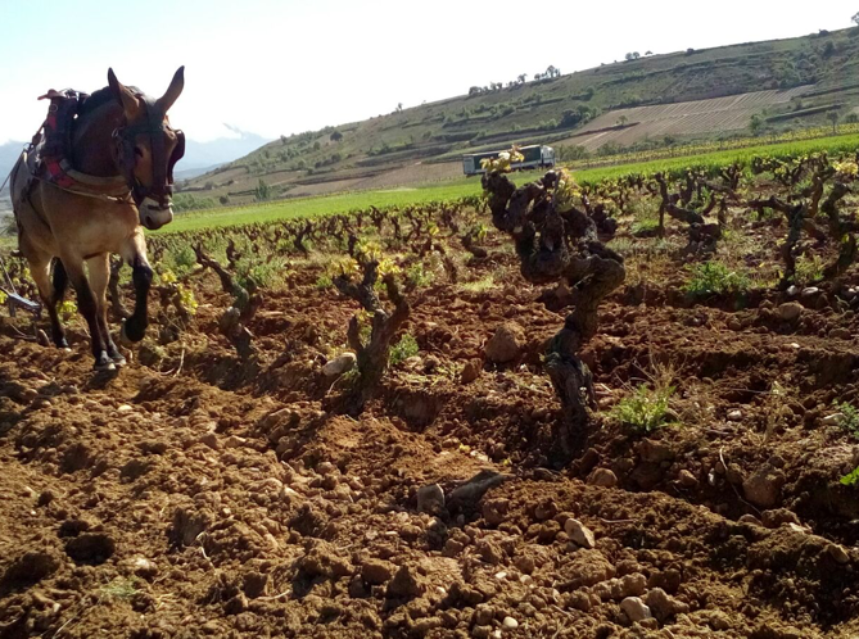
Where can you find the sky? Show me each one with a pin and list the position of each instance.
(279, 67)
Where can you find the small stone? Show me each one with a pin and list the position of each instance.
(470, 372)
(430, 499)
(495, 511)
(580, 534)
(143, 568)
(789, 312)
(483, 615)
(735, 415)
(663, 606)
(404, 585)
(325, 468)
(524, 564)
(838, 553)
(210, 440)
(763, 488)
(510, 623)
(793, 291)
(602, 477)
(376, 572)
(750, 519)
(811, 291)
(835, 418)
(841, 333)
(339, 365)
(506, 344)
(654, 452)
(775, 518)
(545, 510)
(687, 479)
(635, 609)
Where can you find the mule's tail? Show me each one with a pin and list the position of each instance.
(60, 281)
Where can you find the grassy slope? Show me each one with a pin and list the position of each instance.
(656, 79)
(311, 207)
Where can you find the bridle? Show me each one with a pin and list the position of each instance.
(154, 126)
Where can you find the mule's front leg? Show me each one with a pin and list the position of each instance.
(134, 327)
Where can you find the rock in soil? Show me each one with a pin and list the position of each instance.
(339, 365)
(404, 585)
(763, 488)
(602, 477)
(506, 344)
(377, 572)
(635, 609)
(789, 312)
(580, 534)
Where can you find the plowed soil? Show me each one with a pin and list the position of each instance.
(196, 495)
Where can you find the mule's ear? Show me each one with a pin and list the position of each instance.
(173, 91)
(126, 98)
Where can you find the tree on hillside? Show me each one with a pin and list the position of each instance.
(856, 19)
(336, 136)
(756, 124)
(833, 117)
(522, 78)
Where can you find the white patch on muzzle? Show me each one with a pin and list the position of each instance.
(152, 216)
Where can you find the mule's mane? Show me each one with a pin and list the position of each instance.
(100, 98)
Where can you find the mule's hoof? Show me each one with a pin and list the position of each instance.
(119, 361)
(104, 367)
(63, 344)
(123, 336)
(42, 338)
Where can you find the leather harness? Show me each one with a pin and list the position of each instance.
(153, 126)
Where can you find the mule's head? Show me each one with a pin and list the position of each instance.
(147, 148)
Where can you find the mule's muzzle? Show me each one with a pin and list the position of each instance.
(153, 215)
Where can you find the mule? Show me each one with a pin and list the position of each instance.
(119, 135)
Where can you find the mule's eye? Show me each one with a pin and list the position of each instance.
(138, 151)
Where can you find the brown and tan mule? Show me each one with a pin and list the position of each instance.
(119, 136)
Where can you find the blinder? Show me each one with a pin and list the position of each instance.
(154, 127)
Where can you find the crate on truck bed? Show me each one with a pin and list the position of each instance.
(534, 157)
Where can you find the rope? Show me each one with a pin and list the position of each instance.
(96, 196)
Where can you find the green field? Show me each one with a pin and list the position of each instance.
(455, 189)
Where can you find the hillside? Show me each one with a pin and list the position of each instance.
(793, 84)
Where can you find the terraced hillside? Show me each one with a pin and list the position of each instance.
(792, 83)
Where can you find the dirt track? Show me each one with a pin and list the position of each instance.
(192, 495)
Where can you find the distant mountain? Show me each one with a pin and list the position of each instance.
(200, 157)
(207, 155)
(9, 153)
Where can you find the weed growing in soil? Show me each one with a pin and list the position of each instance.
(849, 418)
(119, 588)
(809, 270)
(418, 277)
(407, 347)
(478, 286)
(715, 277)
(851, 479)
(646, 410)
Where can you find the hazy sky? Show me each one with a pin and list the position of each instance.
(286, 66)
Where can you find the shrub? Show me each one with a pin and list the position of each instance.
(715, 277)
(645, 410)
(404, 349)
(849, 418)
